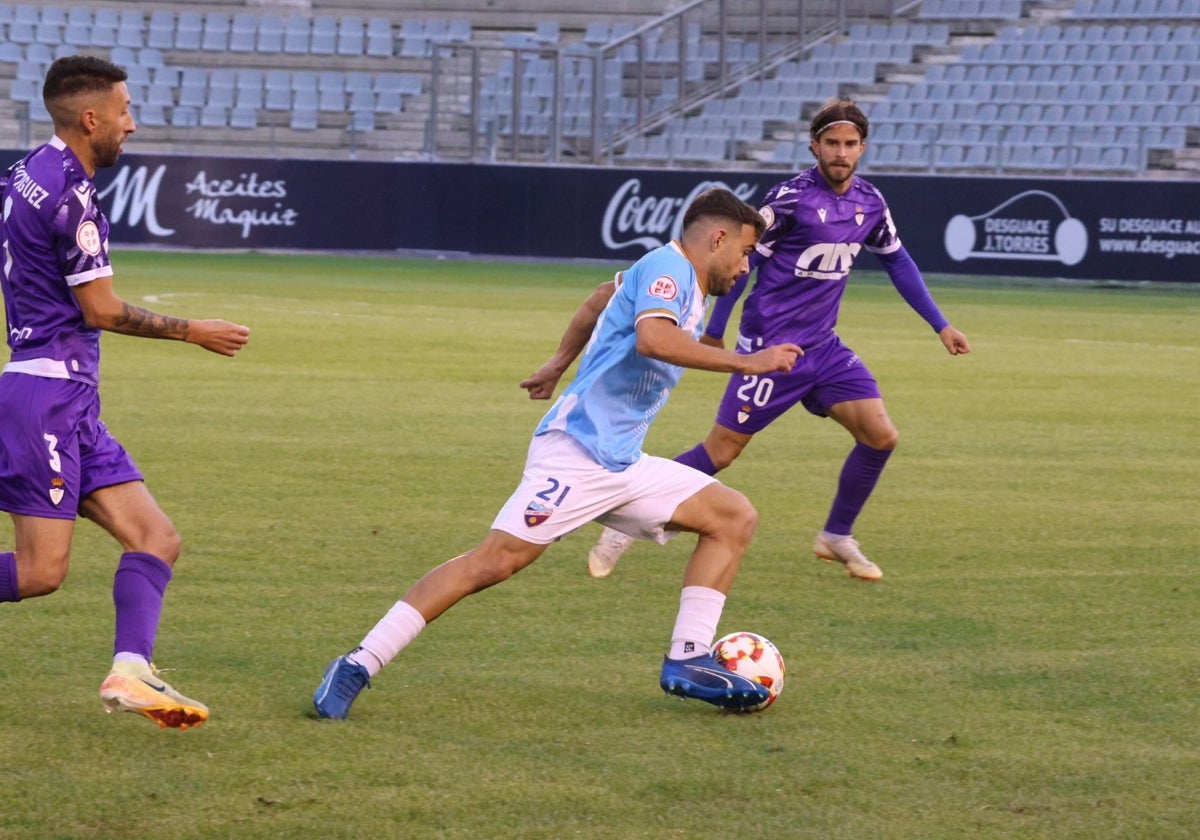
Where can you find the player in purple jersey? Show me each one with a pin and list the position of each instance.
(585, 462)
(57, 459)
(817, 223)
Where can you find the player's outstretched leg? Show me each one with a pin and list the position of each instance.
(703, 678)
(136, 687)
(833, 548)
(607, 551)
(339, 687)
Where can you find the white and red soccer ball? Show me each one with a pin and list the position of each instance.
(753, 656)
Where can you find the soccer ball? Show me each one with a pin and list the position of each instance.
(752, 656)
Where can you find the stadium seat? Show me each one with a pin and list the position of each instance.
(185, 116)
(296, 34)
(221, 97)
(247, 98)
(331, 100)
(350, 36)
(214, 116)
(161, 32)
(189, 32)
(25, 90)
(243, 117)
(123, 56)
(305, 99)
(270, 34)
(416, 48)
(150, 58)
(304, 119)
(392, 102)
(277, 79)
(978, 157)
(950, 157)
(193, 87)
(380, 41)
(323, 38)
(243, 33)
(138, 75)
(278, 99)
(154, 116)
(223, 77)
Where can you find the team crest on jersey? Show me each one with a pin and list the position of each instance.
(743, 414)
(537, 513)
(859, 215)
(664, 287)
(87, 237)
(56, 490)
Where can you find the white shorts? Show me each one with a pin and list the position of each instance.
(564, 488)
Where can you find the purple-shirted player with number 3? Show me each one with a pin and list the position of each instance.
(57, 459)
(817, 223)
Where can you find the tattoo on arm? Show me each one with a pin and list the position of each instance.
(135, 320)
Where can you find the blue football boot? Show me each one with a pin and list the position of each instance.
(703, 678)
(339, 687)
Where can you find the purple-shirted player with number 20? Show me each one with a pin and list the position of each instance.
(817, 223)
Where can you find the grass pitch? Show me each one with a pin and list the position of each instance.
(1026, 669)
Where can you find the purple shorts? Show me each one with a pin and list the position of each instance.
(54, 449)
(825, 375)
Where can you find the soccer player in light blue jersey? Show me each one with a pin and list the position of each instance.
(817, 224)
(586, 462)
(57, 458)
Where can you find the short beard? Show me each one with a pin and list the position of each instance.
(106, 156)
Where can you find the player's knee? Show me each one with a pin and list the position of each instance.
(171, 545)
(888, 440)
(884, 439)
(740, 522)
(42, 573)
(163, 542)
(486, 569)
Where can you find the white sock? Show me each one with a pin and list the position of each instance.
(391, 635)
(696, 625)
(135, 658)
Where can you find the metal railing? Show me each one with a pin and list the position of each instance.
(581, 103)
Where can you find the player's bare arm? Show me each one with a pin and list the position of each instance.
(954, 341)
(661, 338)
(103, 309)
(544, 380)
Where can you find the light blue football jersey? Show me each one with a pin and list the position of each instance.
(617, 391)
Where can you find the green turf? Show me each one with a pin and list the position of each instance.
(1027, 669)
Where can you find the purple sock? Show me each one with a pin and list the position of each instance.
(697, 458)
(138, 588)
(859, 475)
(8, 578)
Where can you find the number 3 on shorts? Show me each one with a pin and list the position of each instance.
(55, 460)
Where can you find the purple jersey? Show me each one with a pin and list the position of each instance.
(54, 237)
(804, 257)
